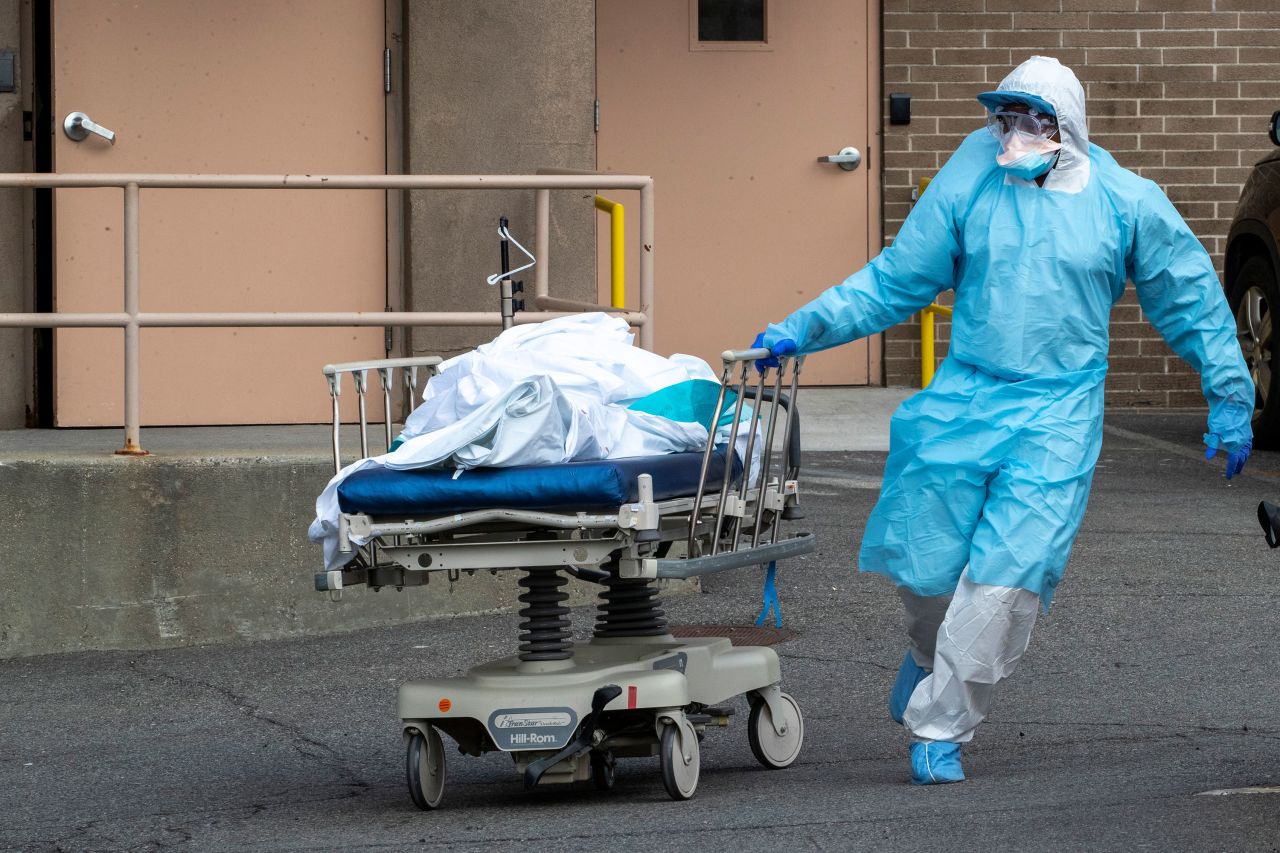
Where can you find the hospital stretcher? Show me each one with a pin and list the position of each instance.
(564, 710)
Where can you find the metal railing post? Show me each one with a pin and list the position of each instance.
(542, 244)
(646, 264)
(132, 408)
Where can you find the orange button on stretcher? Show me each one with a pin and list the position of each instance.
(444, 706)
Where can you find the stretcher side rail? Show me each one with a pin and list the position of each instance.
(690, 567)
(385, 369)
(368, 527)
(781, 494)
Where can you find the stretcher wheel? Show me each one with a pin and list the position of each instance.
(679, 777)
(603, 770)
(425, 767)
(771, 749)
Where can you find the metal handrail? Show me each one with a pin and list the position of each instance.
(132, 319)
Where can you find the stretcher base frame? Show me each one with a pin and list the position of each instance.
(532, 710)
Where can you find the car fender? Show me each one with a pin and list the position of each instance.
(1245, 233)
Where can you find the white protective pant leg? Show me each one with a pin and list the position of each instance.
(924, 618)
(978, 644)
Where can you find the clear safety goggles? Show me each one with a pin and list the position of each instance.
(1029, 127)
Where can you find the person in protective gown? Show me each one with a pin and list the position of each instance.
(1037, 231)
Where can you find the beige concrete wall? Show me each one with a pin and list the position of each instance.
(172, 550)
(15, 280)
(504, 86)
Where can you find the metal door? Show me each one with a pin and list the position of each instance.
(730, 118)
(233, 87)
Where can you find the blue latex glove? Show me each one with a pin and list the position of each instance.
(1235, 458)
(784, 347)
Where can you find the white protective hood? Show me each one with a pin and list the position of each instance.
(1056, 83)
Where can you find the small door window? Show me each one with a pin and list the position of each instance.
(729, 24)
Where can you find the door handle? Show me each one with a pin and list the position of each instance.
(848, 158)
(78, 126)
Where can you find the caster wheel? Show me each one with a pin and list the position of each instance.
(679, 771)
(425, 767)
(603, 770)
(771, 749)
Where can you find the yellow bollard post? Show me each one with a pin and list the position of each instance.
(927, 339)
(926, 313)
(926, 346)
(617, 250)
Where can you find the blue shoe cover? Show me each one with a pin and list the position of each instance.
(909, 675)
(935, 763)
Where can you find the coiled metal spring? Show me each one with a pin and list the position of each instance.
(545, 632)
(629, 608)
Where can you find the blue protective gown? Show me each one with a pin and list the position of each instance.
(990, 466)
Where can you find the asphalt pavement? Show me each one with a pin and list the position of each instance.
(1151, 681)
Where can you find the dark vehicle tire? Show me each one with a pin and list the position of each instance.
(1253, 295)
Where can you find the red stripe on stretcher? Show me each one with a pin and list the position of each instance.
(631, 696)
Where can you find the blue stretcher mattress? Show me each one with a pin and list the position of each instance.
(570, 485)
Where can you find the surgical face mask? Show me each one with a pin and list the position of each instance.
(1027, 159)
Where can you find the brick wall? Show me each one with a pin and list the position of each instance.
(1180, 91)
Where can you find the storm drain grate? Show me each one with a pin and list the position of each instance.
(739, 635)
